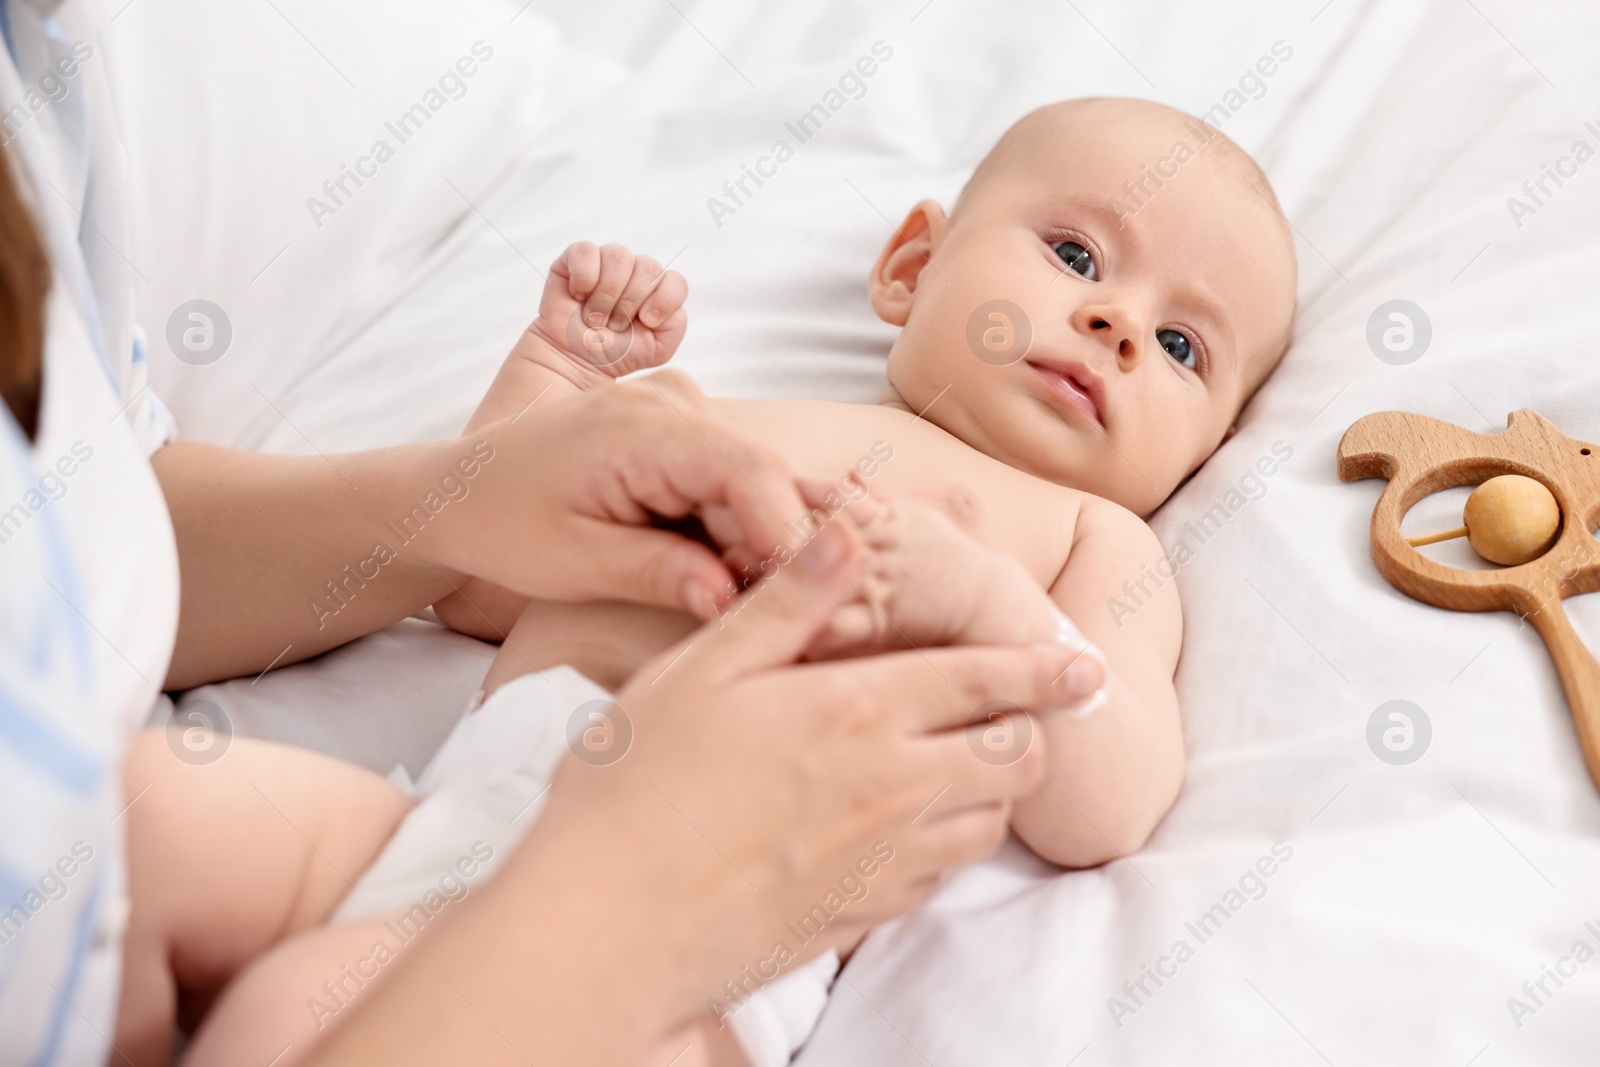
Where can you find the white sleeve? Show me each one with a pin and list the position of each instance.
(152, 423)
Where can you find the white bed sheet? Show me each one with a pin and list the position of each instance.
(1419, 898)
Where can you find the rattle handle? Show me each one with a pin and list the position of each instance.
(1580, 678)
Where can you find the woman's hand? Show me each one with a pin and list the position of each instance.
(751, 794)
(564, 511)
(284, 557)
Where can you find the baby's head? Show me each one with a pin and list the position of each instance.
(1113, 284)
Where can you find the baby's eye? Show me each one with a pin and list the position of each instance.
(1177, 346)
(1077, 258)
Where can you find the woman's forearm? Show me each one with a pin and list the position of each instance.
(284, 557)
(564, 957)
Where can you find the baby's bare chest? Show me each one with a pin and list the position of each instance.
(896, 454)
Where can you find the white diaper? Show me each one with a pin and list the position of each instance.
(480, 794)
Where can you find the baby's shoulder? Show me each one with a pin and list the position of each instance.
(1116, 560)
(1107, 521)
(1108, 536)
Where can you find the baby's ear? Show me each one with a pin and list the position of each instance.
(892, 285)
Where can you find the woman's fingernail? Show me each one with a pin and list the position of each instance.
(596, 319)
(618, 324)
(650, 318)
(1085, 674)
(824, 552)
(698, 600)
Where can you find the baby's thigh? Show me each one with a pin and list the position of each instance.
(699, 1044)
(286, 1002)
(606, 641)
(225, 858)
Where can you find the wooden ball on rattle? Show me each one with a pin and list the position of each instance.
(1510, 520)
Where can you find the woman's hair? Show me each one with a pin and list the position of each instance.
(24, 284)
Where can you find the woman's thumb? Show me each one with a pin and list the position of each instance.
(659, 567)
(778, 618)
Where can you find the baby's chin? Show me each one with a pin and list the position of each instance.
(1034, 440)
(1088, 467)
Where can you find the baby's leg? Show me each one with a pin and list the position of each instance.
(284, 1003)
(606, 641)
(226, 859)
(699, 1044)
(927, 583)
(290, 999)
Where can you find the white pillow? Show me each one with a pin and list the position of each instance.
(240, 120)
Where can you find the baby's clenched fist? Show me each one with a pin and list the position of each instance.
(611, 310)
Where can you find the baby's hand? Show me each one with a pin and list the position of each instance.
(610, 310)
(587, 334)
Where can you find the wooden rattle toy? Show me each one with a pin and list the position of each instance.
(1537, 522)
(1509, 520)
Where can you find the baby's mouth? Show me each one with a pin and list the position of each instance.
(1070, 391)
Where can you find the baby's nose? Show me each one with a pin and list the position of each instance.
(1109, 327)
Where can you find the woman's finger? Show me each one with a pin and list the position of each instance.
(962, 837)
(943, 688)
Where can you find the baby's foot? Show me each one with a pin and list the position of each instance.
(926, 582)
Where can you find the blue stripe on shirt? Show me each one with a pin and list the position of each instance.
(69, 984)
(76, 770)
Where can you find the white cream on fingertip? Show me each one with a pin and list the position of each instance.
(1084, 709)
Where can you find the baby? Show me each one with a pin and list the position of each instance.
(1078, 335)
(1065, 362)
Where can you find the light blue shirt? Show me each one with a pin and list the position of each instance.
(88, 566)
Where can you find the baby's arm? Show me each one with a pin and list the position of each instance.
(604, 313)
(1114, 774)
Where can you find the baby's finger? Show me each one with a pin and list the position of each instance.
(646, 273)
(582, 262)
(669, 296)
(670, 334)
(616, 267)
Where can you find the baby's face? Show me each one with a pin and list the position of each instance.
(1144, 334)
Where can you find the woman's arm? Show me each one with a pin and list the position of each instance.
(283, 557)
(648, 885)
